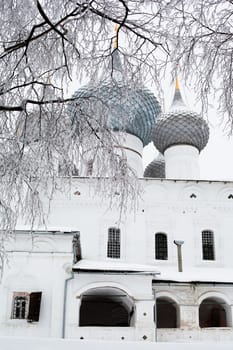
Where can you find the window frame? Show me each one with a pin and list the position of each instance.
(208, 245)
(16, 296)
(114, 243)
(161, 248)
(31, 312)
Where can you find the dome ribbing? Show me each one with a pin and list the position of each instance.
(180, 126)
(133, 110)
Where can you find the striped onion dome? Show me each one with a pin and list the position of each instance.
(133, 110)
(156, 169)
(180, 126)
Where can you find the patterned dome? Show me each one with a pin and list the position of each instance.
(156, 168)
(180, 127)
(133, 110)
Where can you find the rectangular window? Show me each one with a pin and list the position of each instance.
(26, 306)
(208, 245)
(114, 247)
(161, 246)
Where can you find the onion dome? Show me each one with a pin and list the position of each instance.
(129, 109)
(156, 168)
(180, 126)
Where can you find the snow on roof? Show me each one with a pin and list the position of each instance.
(113, 266)
(196, 274)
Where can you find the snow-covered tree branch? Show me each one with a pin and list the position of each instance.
(47, 44)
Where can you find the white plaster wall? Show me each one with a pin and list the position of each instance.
(137, 287)
(165, 206)
(182, 162)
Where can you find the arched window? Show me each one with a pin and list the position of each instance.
(161, 246)
(208, 245)
(114, 243)
(213, 313)
(106, 307)
(167, 315)
(20, 305)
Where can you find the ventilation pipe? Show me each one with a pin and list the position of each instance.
(179, 254)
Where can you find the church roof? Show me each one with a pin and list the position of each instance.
(130, 109)
(180, 126)
(114, 266)
(196, 274)
(156, 169)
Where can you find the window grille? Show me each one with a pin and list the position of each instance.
(26, 306)
(208, 245)
(114, 245)
(161, 246)
(20, 306)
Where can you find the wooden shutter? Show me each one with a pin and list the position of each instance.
(34, 307)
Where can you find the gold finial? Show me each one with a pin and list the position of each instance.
(115, 42)
(177, 83)
(48, 80)
(177, 80)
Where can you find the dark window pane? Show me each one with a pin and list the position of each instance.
(208, 245)
(114, 239)
(161, 246)
(20, 307)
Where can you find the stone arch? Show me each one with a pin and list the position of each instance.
(106, 306)
(214, 310)
(93, 285)
(167, 311)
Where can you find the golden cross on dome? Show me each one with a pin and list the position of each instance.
(115, 42)
(177, 80)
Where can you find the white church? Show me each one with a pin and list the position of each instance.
(161, 274)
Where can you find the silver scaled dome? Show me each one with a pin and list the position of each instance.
(180, 126)
(156, 169)
(132, 110)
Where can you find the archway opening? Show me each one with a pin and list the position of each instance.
(213, 313)
(167, 315)
(106, 307)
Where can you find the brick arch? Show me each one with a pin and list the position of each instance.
(214, 310)
(106, 307)
(168, 313)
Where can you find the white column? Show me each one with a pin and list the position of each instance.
(182, 162)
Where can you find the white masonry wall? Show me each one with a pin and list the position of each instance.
(181, 209)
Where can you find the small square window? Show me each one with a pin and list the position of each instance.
(20, 305)
(26, 306)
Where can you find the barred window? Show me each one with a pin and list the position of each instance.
(114, 243)
(161, 246)
(20, 305)
(208, 245)
(26, 306)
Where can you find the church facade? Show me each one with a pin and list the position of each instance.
(162, 273)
